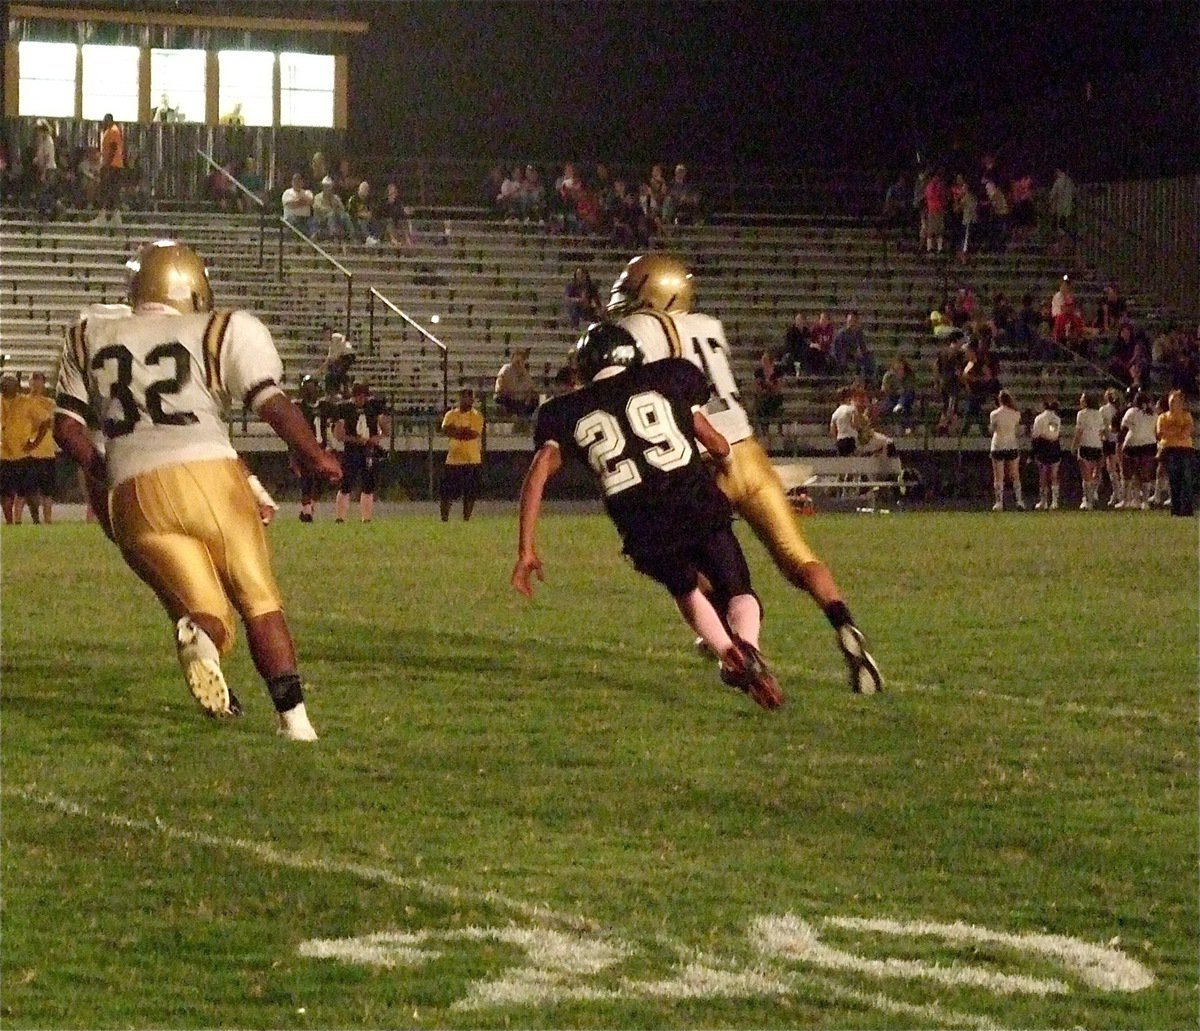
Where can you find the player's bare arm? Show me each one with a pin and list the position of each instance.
(709, 435)
(545, 464)
(72, 437)
(286, 420)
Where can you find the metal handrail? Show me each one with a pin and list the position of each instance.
(285, 224)
(246, 191)
(372, 295)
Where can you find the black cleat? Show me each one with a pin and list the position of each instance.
(865, 677)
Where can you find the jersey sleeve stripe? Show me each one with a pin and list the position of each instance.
(78, 346)
(669, 331)
(73, 406)
(257, 389)
(214, 340)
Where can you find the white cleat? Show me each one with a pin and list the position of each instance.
(865, 677)
(295, 726)
(998, 506)
(201, 665)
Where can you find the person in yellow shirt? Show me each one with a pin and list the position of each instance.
(16, 427)
(1174, 429)
(40, 450)
(464, 460)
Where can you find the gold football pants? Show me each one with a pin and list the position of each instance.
(193, 533)
(752, 486)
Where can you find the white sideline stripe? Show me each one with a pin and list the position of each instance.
(1099, 966)
(290, 860)
(541, 987)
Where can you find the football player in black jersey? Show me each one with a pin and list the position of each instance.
(637, 426)
(362, 426)
(316, 415)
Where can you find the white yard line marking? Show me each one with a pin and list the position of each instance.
(522, 985)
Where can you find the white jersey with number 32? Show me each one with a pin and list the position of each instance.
(159, 385)
(701, 340)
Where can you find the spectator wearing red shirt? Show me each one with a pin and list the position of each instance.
(936, 200)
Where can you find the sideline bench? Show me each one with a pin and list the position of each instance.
(834, 472)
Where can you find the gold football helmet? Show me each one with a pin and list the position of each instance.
(169, 272)
(655, 281)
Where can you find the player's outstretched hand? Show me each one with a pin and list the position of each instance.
(527, 567)
(328, 468)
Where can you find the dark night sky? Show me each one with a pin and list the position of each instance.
(781, 83)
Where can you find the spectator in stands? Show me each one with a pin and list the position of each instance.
(87, 178)
(1138, 446)
(1088, 445)
(582, 299)
(1023, 219)
(897, 206)
(509, 198)
(346, 180)
(15, 429)
(978, 386)
(1175, 430)
(936, 200)
(1110, 416)
(1062, 202)
(463, 424)
(566, 381)
(1110, 312)
(851, 352)
(1046, 447)
(362, 427)
(656, 194)
(768, 389)
(682, 204)
(998, 215)
(337, 364)
(966, 206)
(220, 186)
(820, 340)
(898, 393)
(628, 221)
(330, 219)
(395, 217)
(44, 166)
(166, 111)
(40, 449)
(515, 392)
(1068, 322)
(490, 190)
(1005, 424)
(947, 371)
(361, 210)
(566, 188)
(297, 202)
(318, 169)
(1025, 334)
(1002, 319)
(870, 440)
(533, 196)
(112, 168)
(250, 177)
(795, 344)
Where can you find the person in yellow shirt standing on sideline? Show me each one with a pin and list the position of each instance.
(40, 449)
(1174, 429)
(16, 427)
(464, 460)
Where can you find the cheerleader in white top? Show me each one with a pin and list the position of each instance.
(1139, 443)
(1005, 423)
(1046, 448)
(1110, 414)
(1088, 445)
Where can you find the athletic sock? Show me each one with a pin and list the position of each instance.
(285, 691)
(838, 615)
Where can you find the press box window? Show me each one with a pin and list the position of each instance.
(246, 91)
(110, 82)
(47, 79)
(177, 85)
(306, 89)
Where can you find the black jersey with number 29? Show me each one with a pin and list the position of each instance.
(634, 430)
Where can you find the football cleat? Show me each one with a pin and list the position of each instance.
(752, 676)
(865, 677)
(295, 726)
(201, 664)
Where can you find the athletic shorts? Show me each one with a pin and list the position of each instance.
(718, 556)
(1141, 451)
(1005, 455)
(360, 470)
(1090, 454)
(40, 476)
(12, 477)
(1047, 452)
(1109, 447)
(846, 445)
(460, 481)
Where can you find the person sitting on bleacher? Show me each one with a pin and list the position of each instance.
(330, 218)
(297, 203)
(516, 394)
(362, 210)
(850, 426)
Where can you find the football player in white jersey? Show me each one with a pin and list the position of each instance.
(652, 299)
(168, 487)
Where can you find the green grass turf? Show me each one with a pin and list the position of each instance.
(570, 765)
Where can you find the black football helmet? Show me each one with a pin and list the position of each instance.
(605, 344)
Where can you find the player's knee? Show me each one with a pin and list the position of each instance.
(219, 629)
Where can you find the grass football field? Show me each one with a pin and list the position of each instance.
(551, 815)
